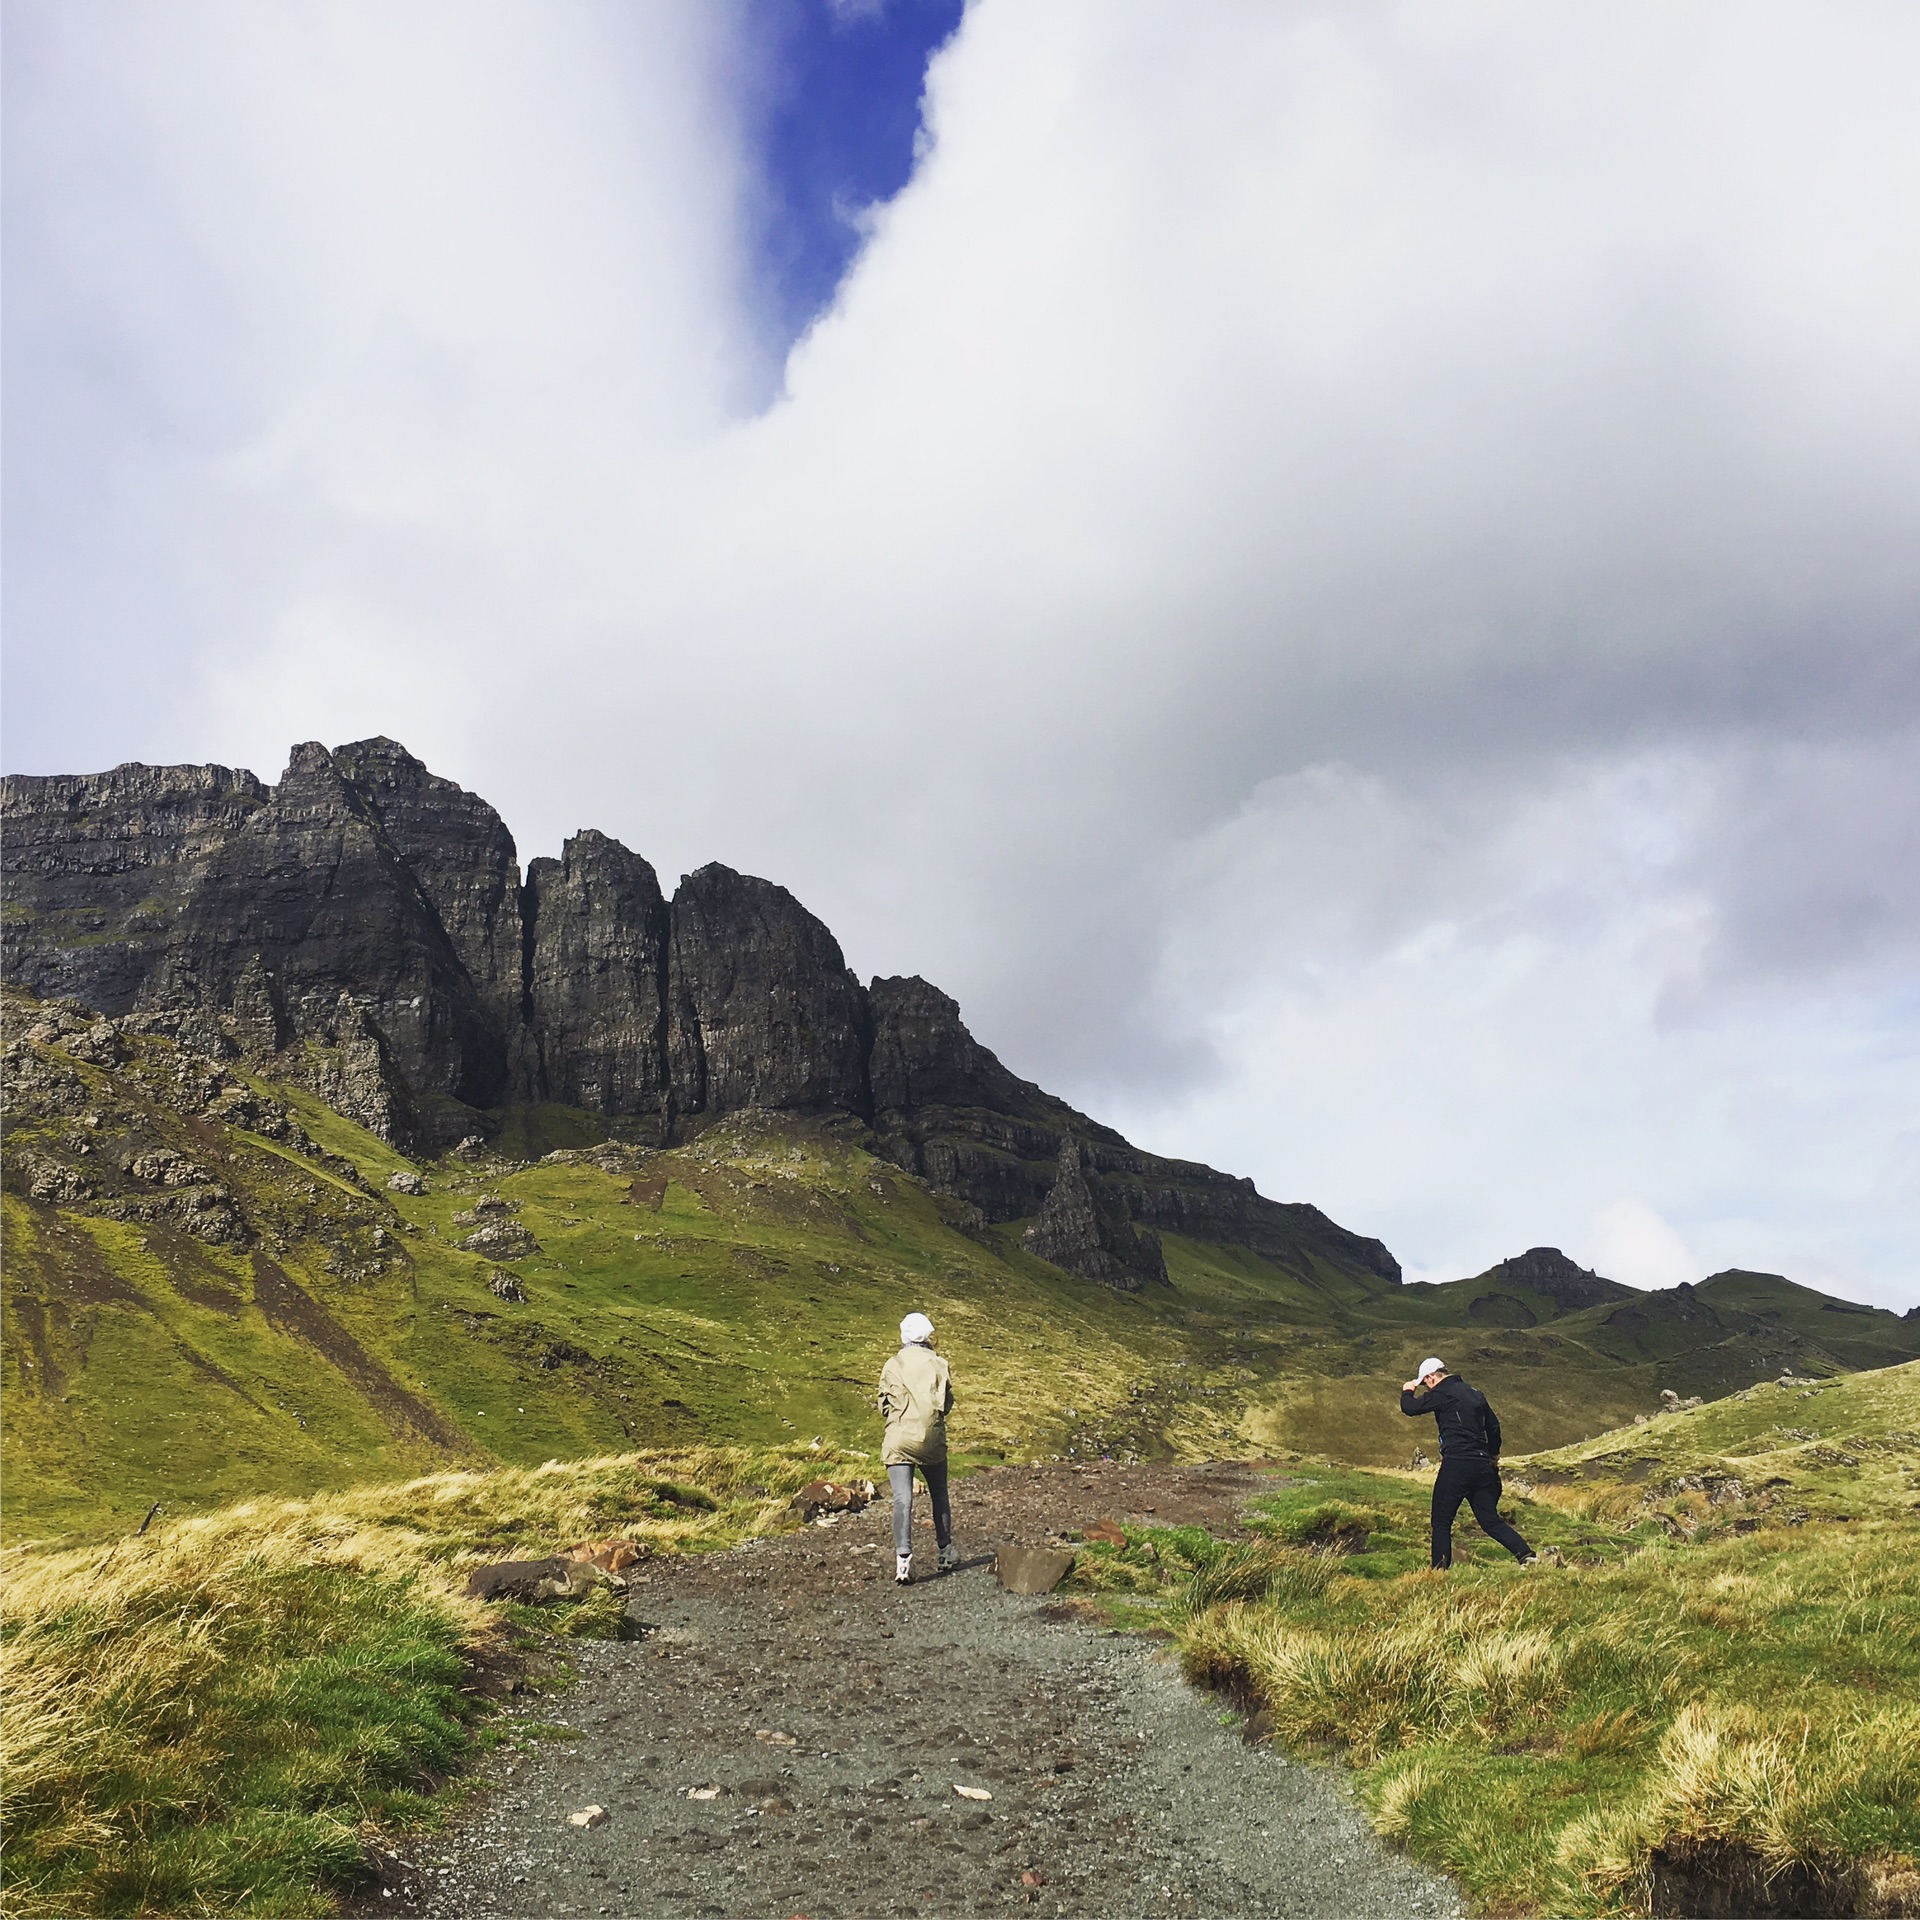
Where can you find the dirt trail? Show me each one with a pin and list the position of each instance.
(1116, 1790)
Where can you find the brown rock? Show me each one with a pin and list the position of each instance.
(533, 1582)
(1031, 1570)
(1106, 1533)
(833, 1496)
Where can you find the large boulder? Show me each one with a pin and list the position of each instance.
(1031, 1570)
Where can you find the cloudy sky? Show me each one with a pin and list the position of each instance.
(1344, 575)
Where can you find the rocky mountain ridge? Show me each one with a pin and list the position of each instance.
(363, 929)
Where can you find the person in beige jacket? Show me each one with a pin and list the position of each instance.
(916, 1393)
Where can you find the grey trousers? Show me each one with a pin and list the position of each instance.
(902, 1479)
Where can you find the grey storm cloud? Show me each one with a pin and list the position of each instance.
(1343, 576)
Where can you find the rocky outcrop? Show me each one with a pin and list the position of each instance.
(98, 867)
(946, 1109)
(1549, 1271)
(458, 851)
(762, 1011)
(273, 921)
(595, 1003)
(362, 928)
(1082, 1228)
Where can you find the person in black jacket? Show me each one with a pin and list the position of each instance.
(1469, 1458)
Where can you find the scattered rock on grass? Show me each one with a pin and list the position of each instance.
(833, 1496)
(406, 1182)
(500, 1240)
(534, 1582)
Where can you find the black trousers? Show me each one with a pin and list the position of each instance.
(1476, 1480)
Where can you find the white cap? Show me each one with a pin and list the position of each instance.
(915, 1328)
(1429, 1365)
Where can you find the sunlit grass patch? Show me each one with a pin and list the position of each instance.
(1726, 1712)
(203, 1718)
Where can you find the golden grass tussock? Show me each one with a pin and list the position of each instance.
(1806, 1813)
(1691, 1712)
(1365, 1688)
(209, 1710)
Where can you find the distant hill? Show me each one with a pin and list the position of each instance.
(218, 1286)
(338, 1147)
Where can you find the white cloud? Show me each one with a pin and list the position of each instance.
(1343, 576)
(1629, 1242)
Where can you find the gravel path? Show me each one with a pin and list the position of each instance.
(835, 1714)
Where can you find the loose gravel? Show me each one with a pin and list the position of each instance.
(788, 1736)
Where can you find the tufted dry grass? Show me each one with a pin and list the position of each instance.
(206, 1717)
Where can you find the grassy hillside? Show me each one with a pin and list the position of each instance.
(1711, 1704)
(211, 1291)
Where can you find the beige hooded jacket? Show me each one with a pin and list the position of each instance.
(916, 1392)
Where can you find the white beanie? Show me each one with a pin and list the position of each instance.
(915, 1329)
(1428, 1366)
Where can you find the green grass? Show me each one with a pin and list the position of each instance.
(1715, 1695)
(207, 1717)
(334, 1698)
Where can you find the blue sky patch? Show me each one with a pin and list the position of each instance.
(833, 116)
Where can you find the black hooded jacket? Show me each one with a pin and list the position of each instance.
(1469, 1428)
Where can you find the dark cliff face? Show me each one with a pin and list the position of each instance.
(923, 1056)
(762, 1010)
(460, 853)
(282, 919)
(946, 1108)
(98, 866)
(1083, 1226)
(363, 928)
(594, 1007)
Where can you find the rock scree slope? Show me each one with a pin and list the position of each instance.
(363, 929)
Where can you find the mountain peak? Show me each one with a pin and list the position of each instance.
(363, 929)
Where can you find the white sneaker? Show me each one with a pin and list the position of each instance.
(902, 1569)
(949, 1557)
